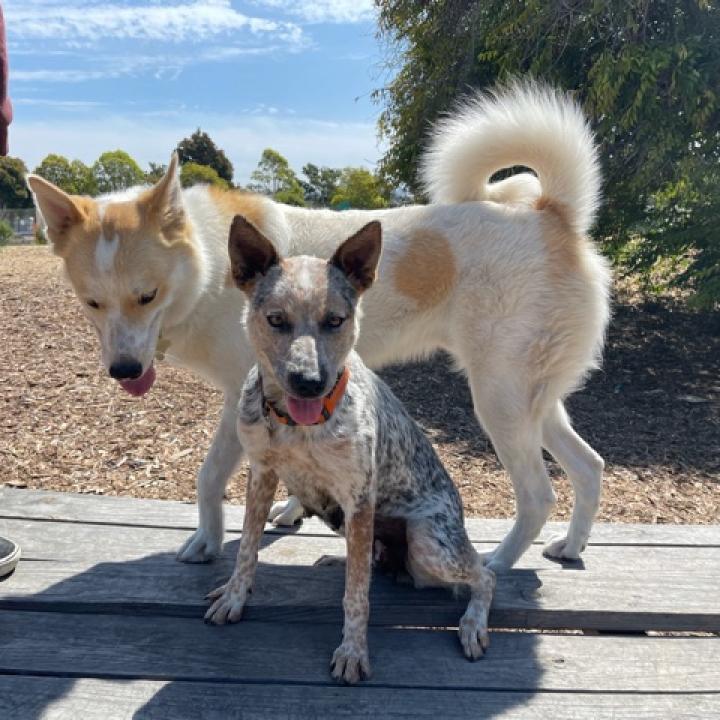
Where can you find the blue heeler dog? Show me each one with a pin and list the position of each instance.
(313, 416)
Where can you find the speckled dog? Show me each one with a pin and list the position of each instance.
(313, 416)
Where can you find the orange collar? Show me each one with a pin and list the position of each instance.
(330, 402)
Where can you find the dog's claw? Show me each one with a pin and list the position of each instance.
(227, 606)
(350, 664)
(474, 638)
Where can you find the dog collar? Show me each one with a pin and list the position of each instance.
(330, 402)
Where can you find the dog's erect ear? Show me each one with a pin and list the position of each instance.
(359, 255)
(58, 209)
(164, 199)
(251, 253)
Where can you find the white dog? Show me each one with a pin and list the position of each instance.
(500, 275)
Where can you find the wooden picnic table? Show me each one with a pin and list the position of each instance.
(100, 621)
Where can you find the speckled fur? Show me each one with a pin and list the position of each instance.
(367, 469)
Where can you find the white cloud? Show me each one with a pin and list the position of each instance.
(150, 137)
(325, 11)
(192, 21)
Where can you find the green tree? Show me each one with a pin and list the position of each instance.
(6, 232)
(199, 148)
(85, 183)
(321, 184)
(194, 174)
(274, 176)
(73, 177)
(359, 188)
(14, 192)
(646, 71)
(116, 171)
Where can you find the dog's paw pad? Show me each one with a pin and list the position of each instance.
(350, 664)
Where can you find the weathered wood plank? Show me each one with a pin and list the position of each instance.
(93, 509)
(132, 570)
(185, 649)
(51, 698)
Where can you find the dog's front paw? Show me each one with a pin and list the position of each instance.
(286, 513)
(229, 601)
(201, 547)
(561, 548)
(474, 637)
(350, 663)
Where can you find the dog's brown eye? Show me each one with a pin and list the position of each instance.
(334, 321)
(146, 298)
(93, 304)
(276, 320)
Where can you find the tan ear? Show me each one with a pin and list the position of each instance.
(164, 199)
(359, 255)
(251, 253)
(58, 209)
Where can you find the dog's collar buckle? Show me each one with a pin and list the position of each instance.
(330, 402)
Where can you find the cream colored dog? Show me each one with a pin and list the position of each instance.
(500, 275)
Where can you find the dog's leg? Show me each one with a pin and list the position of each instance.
(229, 599)
(584, 468)
(504, 412)
(440, 553)
(350, 662)
(222, 459)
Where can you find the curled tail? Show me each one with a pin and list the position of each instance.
(524, 123)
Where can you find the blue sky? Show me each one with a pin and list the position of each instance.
(94, 75)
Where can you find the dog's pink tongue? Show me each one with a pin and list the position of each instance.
(140, 385)
(304, 412)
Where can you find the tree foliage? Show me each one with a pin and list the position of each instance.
(359, 188)
(646, 71)
(320, 185)
(73, 177)
(116, 171)
(199, 148)
(14, 192)
(274, 176)
(195, 174)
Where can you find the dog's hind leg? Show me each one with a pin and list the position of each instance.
(440, 553)
(504, 412)
(584, 468)
(222, 459)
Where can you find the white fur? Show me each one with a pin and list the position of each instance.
(524, 124)
(105, 252)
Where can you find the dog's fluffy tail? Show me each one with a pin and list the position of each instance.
(523, 123)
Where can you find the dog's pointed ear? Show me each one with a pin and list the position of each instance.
(251, 253)
(59, 210)
(359, 255)
(164, 199)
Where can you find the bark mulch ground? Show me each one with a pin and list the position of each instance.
(653, 411)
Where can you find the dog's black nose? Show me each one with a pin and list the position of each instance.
(125, 369)
(305, 387)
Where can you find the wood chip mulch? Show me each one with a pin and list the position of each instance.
(653, 412)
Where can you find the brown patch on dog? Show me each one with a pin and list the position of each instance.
(427, 271)
(236, 202)
(562, 243)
